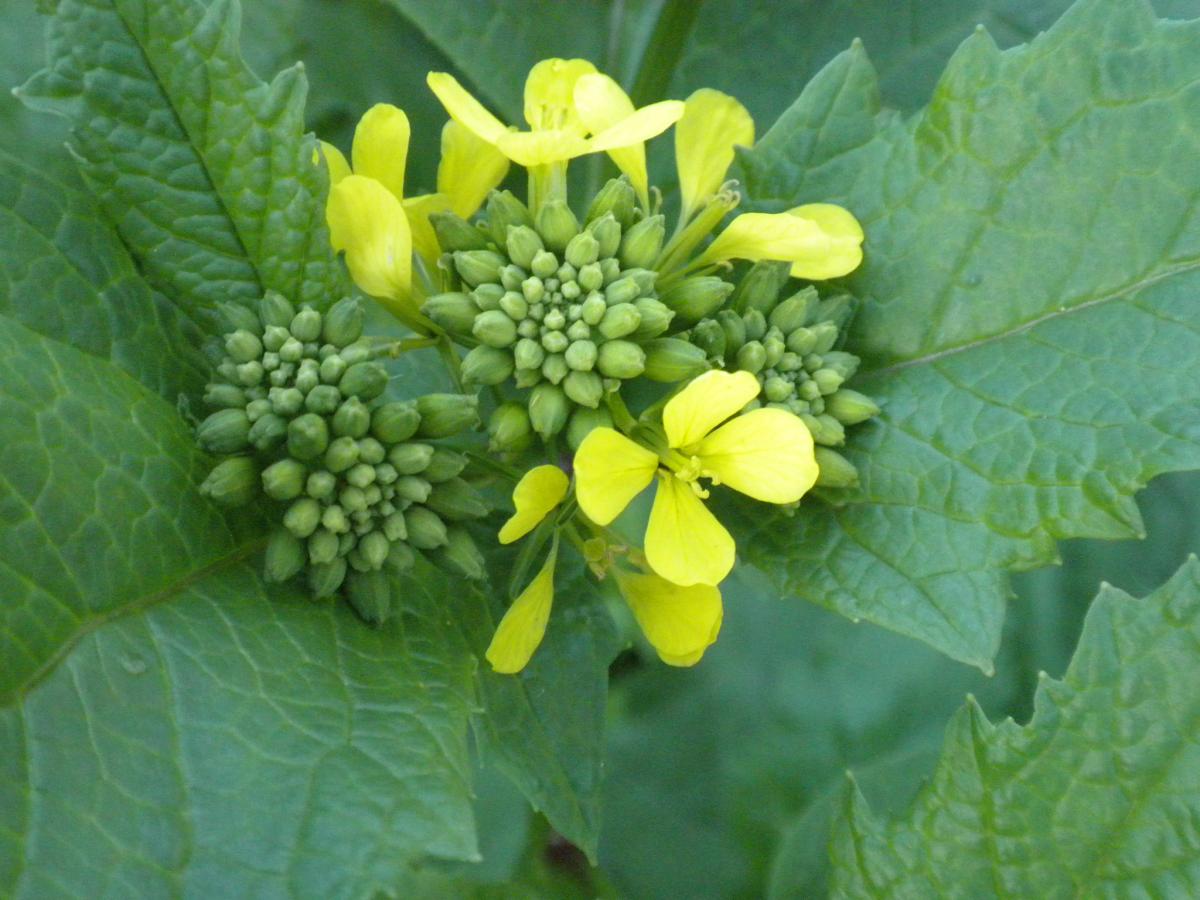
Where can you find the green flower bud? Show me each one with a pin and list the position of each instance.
(487, 296)
(455, 233)
(343, 323)
(495, 329)
(523, 245)
(400, 559)
(365, 380)
(361, 475)
(583, 421)
(793, 312)
(454, 311)
(544, 264)
(326, 578)
(352, 499)
(320, 484)
(582, 249)
(512, 277)
(845, 364)
(620, 319)
(323, 546)
(581, 356)
(548, 409)
(641, 244)
(285, 556)
(306, 325)
(370, 593)
(225, 396)
(827, 335)
(250, 374)
(460, 556)
(839, 310)
(621, 359)
(285, 402)
(268, 432)
(225, 431)
(395, 422)
(528, 354)
(554, 368)
(514, 305)
(592, 309)
(486, 365)
(341, 454)
(270, 361)
(274, 337)
(827, 380)
(239, 316)
(616, 198)
(624, 290)
(374, 548)
(671, 359)
(850, 407)
(243, 346)
(802, 341)
(556, 224)
(478, 266)
(425, 530)
(323, 399)
(645, 279)
(443, 415)
(455, 500)
(578, 330)
(760, 287)
(590, 277)
(444, 465)
(709, 336)
(533, 289)
(233, 482)
(505, 211)
(697, 297)
(352, 419)
(291, 350)
(808, 390)
(825, 429)
(775, 348)
(302, 517)
(585, 388)
(334, 520)
(256, 409)
(756, 325)
(751, 357)
(735, 329)
(394, 527)
(274, 309)
(307, 436)
(656, 318)
(607, 232)
(777, 389)
(509, 430)
(371, 451)
(555, 318)
(410, 459)
(834, 470)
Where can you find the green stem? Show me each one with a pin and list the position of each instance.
(663, 50)
(453, 364)
(494, 465)
(622, 417)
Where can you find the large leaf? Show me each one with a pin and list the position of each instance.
(1030, 285)
(1097, 795)
(204, 168)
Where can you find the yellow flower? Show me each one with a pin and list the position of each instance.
(766, 454)
(820, 240)
(679, 622)
(524, 624)
(540, 490)
(557, 130)
(712, 125)
(375, 224)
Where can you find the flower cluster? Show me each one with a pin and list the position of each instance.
(566, 312)
(299, 417)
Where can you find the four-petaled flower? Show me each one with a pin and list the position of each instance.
(766, 454)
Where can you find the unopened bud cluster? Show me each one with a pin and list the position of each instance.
(299, 417)
(791, 345)
(564, 309)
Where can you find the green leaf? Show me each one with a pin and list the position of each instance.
(68, 277)
(1095, 796)
(204, 168)
(1029, 323)
(544, 728)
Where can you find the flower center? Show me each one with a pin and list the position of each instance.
(689, 469)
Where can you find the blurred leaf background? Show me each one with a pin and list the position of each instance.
(720, 779)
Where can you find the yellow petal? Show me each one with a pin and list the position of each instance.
(335, 162)
(610, 470)
(463, 108)
(369, 223)
(685, 543)
(649, 121)
(845, 235)
(680, 622)
(792, 238)
(706, 402)
(766, 454)
(540, 490)
(524, 624)
(712, 125)
(424, 238)
(602, 103)
(550, 93)
(537, 148)
(380, 148)
(469, 169)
